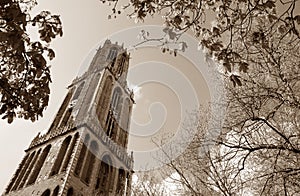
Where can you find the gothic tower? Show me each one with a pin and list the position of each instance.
(84, 152)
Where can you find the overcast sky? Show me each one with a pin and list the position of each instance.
(85, 24)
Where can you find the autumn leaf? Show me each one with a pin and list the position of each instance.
(235, 80)
(216, 46)
(297, 19)
(243, 67)
(51, 53)
(24, 70)
(227, 66)
(269, 4)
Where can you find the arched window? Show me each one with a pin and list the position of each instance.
(70, 192)
(69, 153)
(66, 117)
(62, 109)
(46, 193)
(121, 182)
(121, 64)
(89, 162)
(56, 190)
(89, 93)
(103, 181)
(36, 170)
(119, 111)
(78, 91)
(82, 155)
(103, 103)
(29, 168)
(112, 54)
(110, 125)
(60, 156)
(115, 101)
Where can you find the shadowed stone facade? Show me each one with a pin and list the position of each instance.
(84, 151)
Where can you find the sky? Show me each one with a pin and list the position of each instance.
(166, 88)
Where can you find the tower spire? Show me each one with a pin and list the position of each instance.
(84, 150)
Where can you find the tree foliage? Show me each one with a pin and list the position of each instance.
(262, 124)
(151, 185)
(257, 44)
(257, 151)
(229, 31)
(24, 71)
(188, 173)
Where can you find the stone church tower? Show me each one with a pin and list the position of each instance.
(84, 151)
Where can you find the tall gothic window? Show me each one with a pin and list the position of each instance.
(121, 64)
(104, 175)
(60, 156)
(69, 153)
(121, 182)
(78, 91)
(89, 162)
(46, 193)
(62, 109)
(112, 54)
(36, 170)
(103, 103)
(70, 192)
(110, 126)
(116, 99)
(82, 155)
(28, 170)
(66, 117)
(56, 190)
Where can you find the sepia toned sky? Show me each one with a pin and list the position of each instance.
(166, 87)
